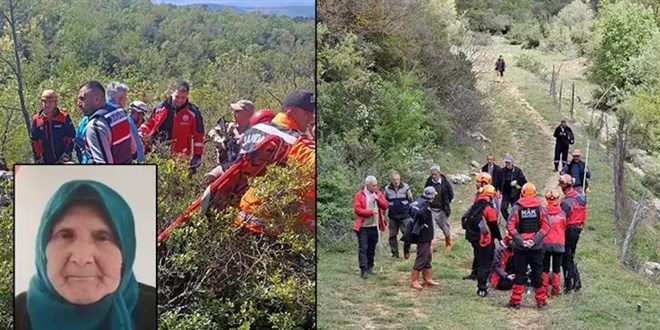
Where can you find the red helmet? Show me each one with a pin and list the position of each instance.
(262, 116)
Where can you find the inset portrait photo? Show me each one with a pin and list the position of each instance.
(85, 247)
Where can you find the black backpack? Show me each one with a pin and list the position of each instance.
(470, 221)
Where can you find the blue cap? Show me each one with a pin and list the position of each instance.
(508, 158)
(429, 192)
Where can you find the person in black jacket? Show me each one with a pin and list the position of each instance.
(440, 205)
(398, 197)
(563, 138)
(480, 224)
(500, 66)
(494, 170)
(512, 180)
(421, 233)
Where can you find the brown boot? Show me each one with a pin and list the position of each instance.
(428, 278)
(414, 280)
(447, 244)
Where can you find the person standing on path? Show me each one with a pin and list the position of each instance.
(512, 179)
(422, 233)
(494, 170)
(553, 243)
(563, 138)
(369, 205)
(528, 226)
(576, 169)
(574, 206)
(500, 66)
(480, 224)
(399, 197)
(440, 205)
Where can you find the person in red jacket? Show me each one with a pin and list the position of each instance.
(553, 243)
(180, 122)
(575, 207)
(503, 272)
(480, 224)
(51, 132)
(369, 205)
(481, 179)
(528, 225)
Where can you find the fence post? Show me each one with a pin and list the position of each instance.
(561, 88)
(573, 103)
(552, 82)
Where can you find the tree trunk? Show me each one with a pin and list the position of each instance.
(619, 196)
(19, 71)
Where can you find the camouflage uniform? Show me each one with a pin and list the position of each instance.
(227, 142)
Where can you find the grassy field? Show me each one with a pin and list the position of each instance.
(523, 114)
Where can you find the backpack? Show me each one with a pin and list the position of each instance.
(470, 221)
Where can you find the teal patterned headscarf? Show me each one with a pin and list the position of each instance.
(46, 308)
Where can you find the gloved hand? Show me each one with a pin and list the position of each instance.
(196, 161)
(511, 277)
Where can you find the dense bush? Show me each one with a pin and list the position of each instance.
(214, 275)
(530, 63)
(528, 35)
(570, 30)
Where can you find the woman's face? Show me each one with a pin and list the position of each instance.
(82, 256)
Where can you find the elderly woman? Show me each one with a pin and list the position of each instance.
(85, 249)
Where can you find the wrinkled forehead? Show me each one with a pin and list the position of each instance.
(94, 211)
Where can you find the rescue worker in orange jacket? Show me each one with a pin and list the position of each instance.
(481, 180)
(369, 205)
(51, 132)
(503, 272)
(277, 142)
(528, 225)
(553, 243)
(180, 122)
(480, 224)
(574, 205)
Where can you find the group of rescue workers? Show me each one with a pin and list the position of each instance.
(112, 133)
(539, 241)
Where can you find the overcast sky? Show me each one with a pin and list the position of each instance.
(243, 3)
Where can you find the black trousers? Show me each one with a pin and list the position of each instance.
(397, 226)
(484, 257)
(504, 284)
(556, 261)
(424, 256)
(561, 155)
(533, 258)
(571, 273)
(501, 72)
(367, 240)
(507, 201)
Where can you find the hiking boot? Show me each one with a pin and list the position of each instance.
(365, 274)
(542, 306)
(428, 277)
(414, 280)
(483, 293)
(406, 256)
(472, 276)
(513, 306)
(395, 255)
(370, 271)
